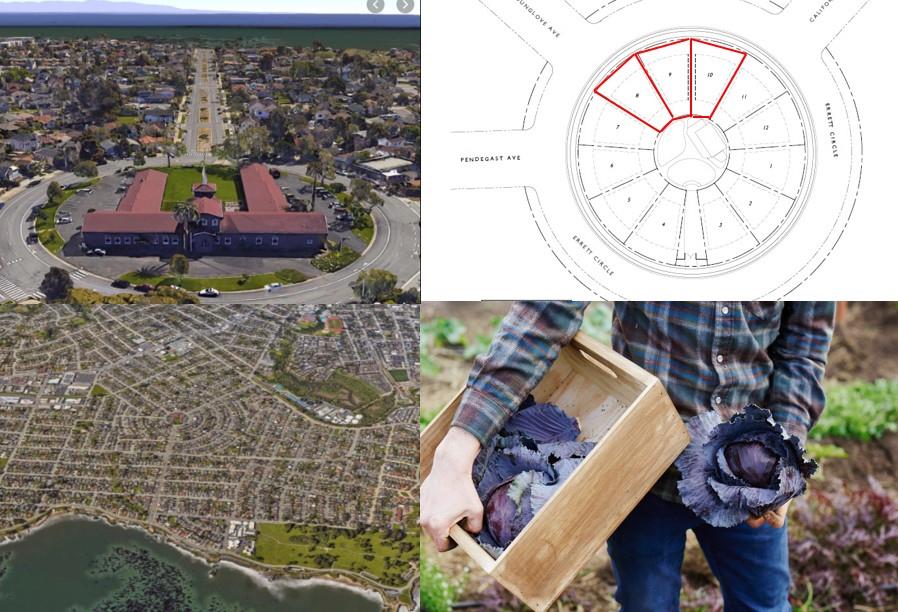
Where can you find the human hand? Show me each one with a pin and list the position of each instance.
(448, 495)
(774, 518)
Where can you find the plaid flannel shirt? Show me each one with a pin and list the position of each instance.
(708, 355)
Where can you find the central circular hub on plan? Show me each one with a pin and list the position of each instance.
(692, 153)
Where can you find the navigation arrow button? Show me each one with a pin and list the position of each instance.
(405, 6)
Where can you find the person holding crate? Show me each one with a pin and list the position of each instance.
(709, 356)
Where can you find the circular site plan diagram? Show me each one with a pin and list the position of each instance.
(691, 154)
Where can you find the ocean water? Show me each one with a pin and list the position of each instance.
(76, 565)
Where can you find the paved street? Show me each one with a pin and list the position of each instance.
(204, 126)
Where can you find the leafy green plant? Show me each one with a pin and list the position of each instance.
(826, 451)
(861, 410)
(442, 332)
(438, 592)
(439, 333)
(597, 322)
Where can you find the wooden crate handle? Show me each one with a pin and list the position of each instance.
(468, 544)
(618, 365)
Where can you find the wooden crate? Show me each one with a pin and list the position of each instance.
(636, 442)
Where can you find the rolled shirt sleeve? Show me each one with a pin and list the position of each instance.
(526, 345)
(796, 397)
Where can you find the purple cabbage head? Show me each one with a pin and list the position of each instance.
(522, 467)
(742, 468)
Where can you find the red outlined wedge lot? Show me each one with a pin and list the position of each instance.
(687, 78)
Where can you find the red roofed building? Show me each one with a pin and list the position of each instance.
(139, 227)
(261, 190)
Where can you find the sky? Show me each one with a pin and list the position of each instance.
(274, 6)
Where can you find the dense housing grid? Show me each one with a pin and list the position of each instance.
(219, 426)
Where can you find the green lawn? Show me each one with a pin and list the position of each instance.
(387, 556)
(128, 119)
(3, 461)
(98, 391)
(362, 392)
(341, 389)
(399, 375)
(366, 233)
(222, 283)
(179, 187)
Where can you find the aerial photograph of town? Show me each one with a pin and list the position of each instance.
(213, 457)
(156, 154)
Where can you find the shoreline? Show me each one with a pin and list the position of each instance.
(274, 583)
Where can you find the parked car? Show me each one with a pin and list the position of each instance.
(273, 287)
(63, 220)
(96, 253)
(275, 173)
(143, 288)
(85, 191)
(209, 293)
(2, 204)
(34, 183)
(120, 283)
(32, 238)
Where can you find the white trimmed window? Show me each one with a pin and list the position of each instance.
(118, 240)
(259, 241)
(175, 240)
(205, 222)
(228, 241)
(275, 240)
(165, 240)
(108, 240)
(214, 222)
(310, 241)
(155, 239)
(127, 239)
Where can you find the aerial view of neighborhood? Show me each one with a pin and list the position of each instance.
(148, 169)
(282, 438)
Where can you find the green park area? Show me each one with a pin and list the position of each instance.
(179, 187)
(98, 391)
(128, 119)
(399, 376)
(386, 555)
(222, 283)
(3, 461)
(341, 389)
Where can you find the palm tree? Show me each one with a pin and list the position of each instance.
(187, 214)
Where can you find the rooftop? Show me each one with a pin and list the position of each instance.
(260, 190)
(145, 194)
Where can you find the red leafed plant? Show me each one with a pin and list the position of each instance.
(844, 548)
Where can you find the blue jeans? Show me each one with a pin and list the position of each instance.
(752, 565)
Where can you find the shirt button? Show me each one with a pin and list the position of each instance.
(725, 310)
(720, 359)
(718, 400)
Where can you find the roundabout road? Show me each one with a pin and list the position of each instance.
(396, 247)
